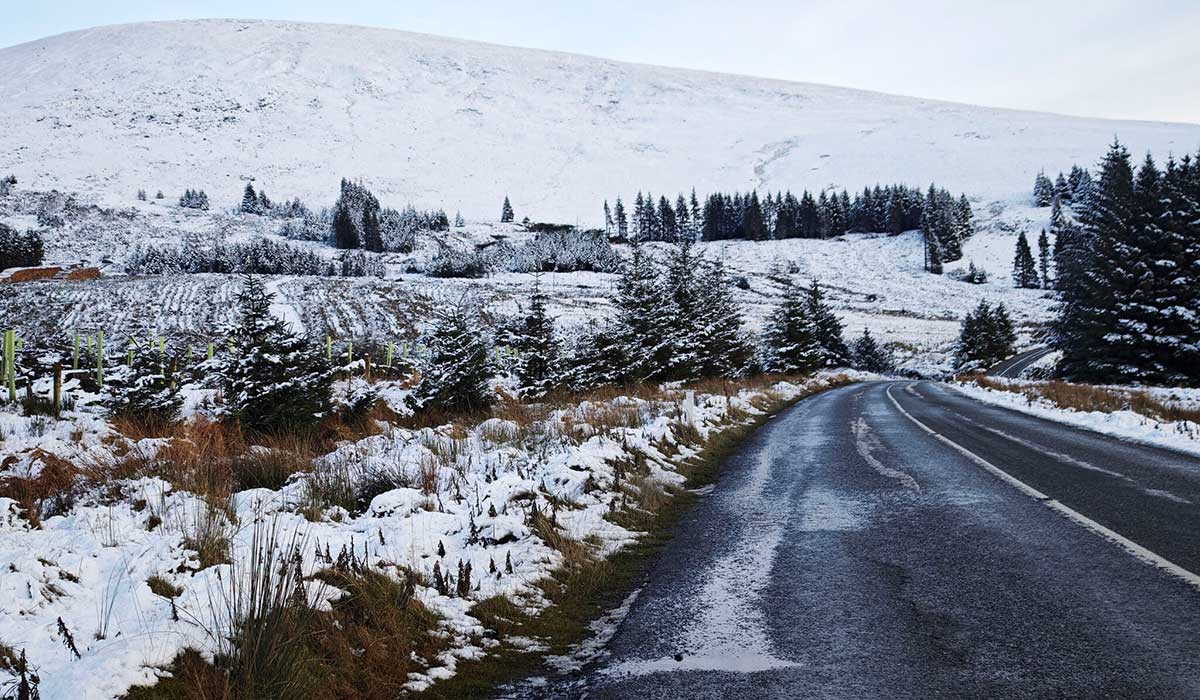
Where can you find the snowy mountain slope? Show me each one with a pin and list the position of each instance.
(441, 122)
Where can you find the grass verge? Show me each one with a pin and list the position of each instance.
(587, 587)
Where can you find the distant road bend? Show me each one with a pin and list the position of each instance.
(1015, 365)
(900, 540)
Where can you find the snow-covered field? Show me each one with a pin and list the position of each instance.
(448, 123)
(874, 281)
(468, 494)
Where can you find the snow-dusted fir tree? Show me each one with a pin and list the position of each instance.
(987, 337)
(597, 359)
(506, 212)
(1087, 325)
(869, 356)
(645, 319)
(250, 203)
(1178, 331)
(372, 239)
(539, 368)
(272, 379)
(723, 348)
(1043, 190)
(1025, 273)
(1044, 260)
(456, 375)
(144, 390)
(622, 220)
(790, 337)
(828, 328)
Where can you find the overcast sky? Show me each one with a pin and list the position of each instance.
(1104, 58)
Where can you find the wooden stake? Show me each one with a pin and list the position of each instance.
(58, 390)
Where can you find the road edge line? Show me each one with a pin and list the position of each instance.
(1138, 551)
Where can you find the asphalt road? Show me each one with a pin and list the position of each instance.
(1015, 365)
(863, 545)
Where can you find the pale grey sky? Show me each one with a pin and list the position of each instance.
(1104, 58)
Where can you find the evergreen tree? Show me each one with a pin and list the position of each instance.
(1044, 260)
(987, 337)
(539, 354)
(608, 220)
(828, 329)
(345, 232)
(20, 249)
(870, 356)
(456, 376)
(506, 212)
(1043, 190)
(645, 319)
(272, 379)
(790, 337)
(145, 391)
(372, 235)
(1061, 189)
(722, 347)
(598, 359)
(1093, 329)
(754, 224)
(1025, 274)
(250, 200)
(622, 221)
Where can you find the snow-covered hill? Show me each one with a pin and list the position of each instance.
(450, 123)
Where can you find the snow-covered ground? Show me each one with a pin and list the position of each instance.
(469, 492)
(1180, 435)
(873, 281)
(449, 123)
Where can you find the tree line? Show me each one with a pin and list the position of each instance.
(947, 221)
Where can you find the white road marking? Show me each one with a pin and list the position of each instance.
(1137, 550)
(866, 443)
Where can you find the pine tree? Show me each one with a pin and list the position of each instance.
(250, 200)
(722, 347)
(870, 356)
(456, 376)
(506, 212)
(1043, 190)
(828, 329)
(608, 219)
(754, 224)
(539, 354)
(790, 336)
(597, 359)
(1044, 260)
(622, 220)
(987, 337)
(372, 235)
(458, 220)
(272, 380)
(1025, 274)
(345, 232)
(645, 319)
(145, 391)
(1177, 269)
(1091, 331)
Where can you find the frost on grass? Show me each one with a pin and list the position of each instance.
(128, 564)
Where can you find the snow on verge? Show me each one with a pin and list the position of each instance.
(1183, 436)
(469, 492)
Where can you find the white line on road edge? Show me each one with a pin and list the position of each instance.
(1129, 545)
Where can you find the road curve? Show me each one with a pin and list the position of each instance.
(1015, 365)
(856, 547)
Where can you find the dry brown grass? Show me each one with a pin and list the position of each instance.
(1087, 397)
(50, 492)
